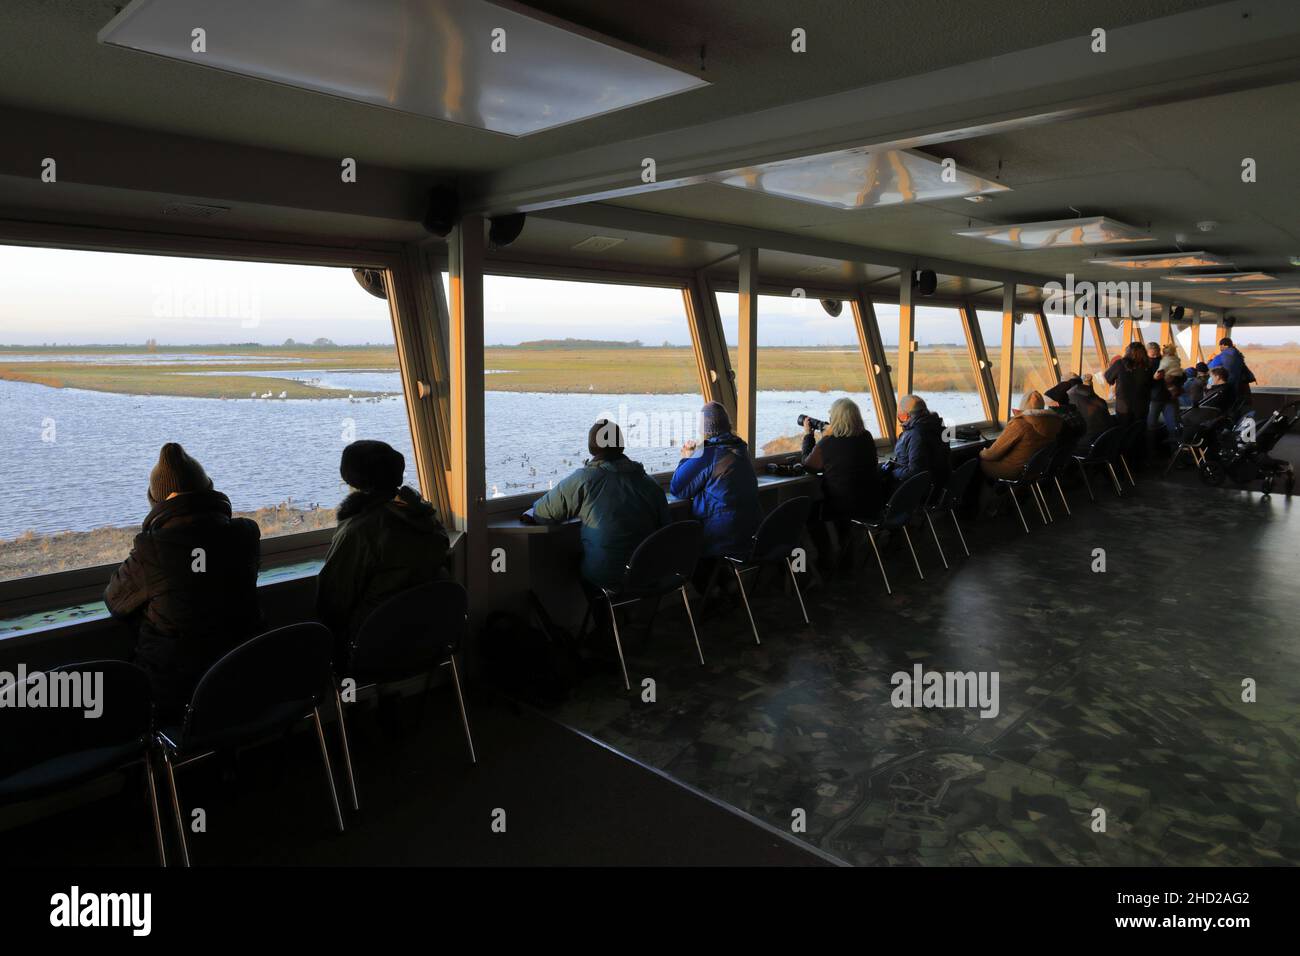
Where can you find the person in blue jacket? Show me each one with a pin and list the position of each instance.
(618, 504)
(920, 446)
(718, 478)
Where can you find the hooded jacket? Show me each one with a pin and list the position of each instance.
(1132, 388)
(723, 489)
(618, 504)
(921, 448)
(1025, 434)
(381, 547)
(1093, 408)
(190, 587)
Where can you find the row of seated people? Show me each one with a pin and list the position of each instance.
(188, 589)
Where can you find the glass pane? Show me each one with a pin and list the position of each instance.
(262, 371)
(560, 355)
(943, 375)
(991, 331)
(1029, 371)
(1272, 352)
(1062, 329)
(1209, 339)
(806, 359)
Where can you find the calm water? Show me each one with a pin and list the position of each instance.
(74, 460)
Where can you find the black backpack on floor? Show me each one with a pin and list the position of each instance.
(531, 659)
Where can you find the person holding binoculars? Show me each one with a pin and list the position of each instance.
(845, 457)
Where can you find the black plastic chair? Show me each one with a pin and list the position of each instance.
(662, 563)
(416, 631)
(951, 497)
(1036, 469)
(1135, 435)
(258, 691)
(1105, 448)
(907, 501)
(774, 542)
(1193, 432)
(47, 749)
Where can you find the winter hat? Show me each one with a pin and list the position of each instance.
(176, 472)
(714, 420)
(604, 440)
(374, 467)
(1060, 392)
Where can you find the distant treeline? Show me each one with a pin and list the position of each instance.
(152, 346)
(574, 344)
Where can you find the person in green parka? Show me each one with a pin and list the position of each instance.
(618, 504)
(388, 540)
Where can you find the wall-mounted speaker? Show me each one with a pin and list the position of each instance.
(925, 282)
(833, 307)
(442, 212)
(504, 230)
(1176, 314)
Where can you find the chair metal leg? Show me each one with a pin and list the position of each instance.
(960, 537)
(1114, 477)
(1086, 483)
(872, 538)
(691, 617)
(740, 583)
(347, 751)
(329, 771)
(1025, 524)
(915, 560)
(1049, 518)
(176, 809)
(1174, 458)
(1124, 461)
(153, 805)
(942, 557)
(460, 702)
(795, 581)
(618, 643)
(1061, 491)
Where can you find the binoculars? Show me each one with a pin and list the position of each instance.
(817, 424)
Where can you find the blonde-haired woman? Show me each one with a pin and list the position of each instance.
(845, 457)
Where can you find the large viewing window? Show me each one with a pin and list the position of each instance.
(1061, 328)
(262, 371)
(559, 355)
(807, 358)
(1272, 352)
(941, 373)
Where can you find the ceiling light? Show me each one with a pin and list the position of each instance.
(1092, 231)
(859, 179)
(496, 67)
(976, 198)
(1221, 278)
(1163, 260)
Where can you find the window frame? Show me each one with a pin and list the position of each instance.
(64, 588)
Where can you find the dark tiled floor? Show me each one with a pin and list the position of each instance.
(1118, 690)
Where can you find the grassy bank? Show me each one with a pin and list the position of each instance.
(30, 554)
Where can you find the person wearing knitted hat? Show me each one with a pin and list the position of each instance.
(189, 586)
(618, 504)
(388, 540)
(718, 479)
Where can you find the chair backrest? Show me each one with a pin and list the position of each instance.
(1105, 446)
(778, 534)
(1039, 464)
(262, 687)
(1062, 456)
(907, 499)
(117, 690)
(1198, 422)
(959, 483)
(411, 633)
(666, 558)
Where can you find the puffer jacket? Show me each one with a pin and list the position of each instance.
(723, 489)
(189, 587)
(381, 547)
(1025, 434)
(921, 448)
(618, 504)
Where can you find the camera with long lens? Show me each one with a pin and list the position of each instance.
(817, 424)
